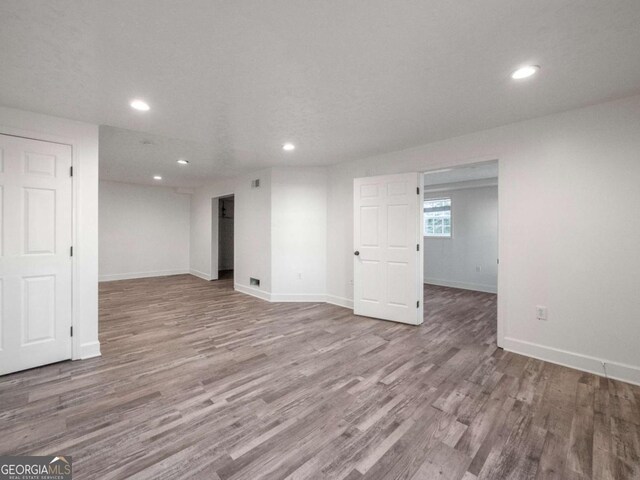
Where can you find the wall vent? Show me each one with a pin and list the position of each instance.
(254, 282)
(255, 183)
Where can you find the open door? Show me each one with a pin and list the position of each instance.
(35, 259)
(388, 247)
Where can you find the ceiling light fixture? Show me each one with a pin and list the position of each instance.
(140, 105)
(157, 177)
(525, 72)
(287, 147)
(182, 161)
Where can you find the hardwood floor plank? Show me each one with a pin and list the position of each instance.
(199, 381)
(580, 452)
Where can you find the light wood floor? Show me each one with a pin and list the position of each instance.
(197, 381)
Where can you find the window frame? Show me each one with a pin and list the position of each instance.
(434, 199)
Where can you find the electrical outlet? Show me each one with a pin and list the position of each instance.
(299, 275)
(478, 268)
(541, 312)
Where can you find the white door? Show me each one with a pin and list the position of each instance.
(387, 238)
(35, 261)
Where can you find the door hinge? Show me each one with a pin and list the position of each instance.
(71, 251)
(71, 331)
(71, 171)
(418, 304)
(417, 247)
(418, 190)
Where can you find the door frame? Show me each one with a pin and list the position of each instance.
(215, 236)
(76, 352)
(501, 280)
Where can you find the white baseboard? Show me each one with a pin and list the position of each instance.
(298, 297)
(617, 371)
(254, 292)
(293, 297)
(478, 287)
(130, 276)
(89, 350)
(339, 301)
(199, 274)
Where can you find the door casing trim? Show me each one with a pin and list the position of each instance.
(76, 350)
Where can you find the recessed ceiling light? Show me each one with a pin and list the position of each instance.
(525, 72)
(182, 161)
(288, 147)
(157, 177)
(139, 105)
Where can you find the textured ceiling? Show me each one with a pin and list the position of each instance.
(232, 80)
(135, 157)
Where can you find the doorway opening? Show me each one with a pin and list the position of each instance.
(460, 230)
(225, 222)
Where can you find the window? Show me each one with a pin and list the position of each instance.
(437, 218)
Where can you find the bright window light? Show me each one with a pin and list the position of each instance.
(437, 218)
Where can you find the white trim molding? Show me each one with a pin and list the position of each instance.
(478, 287)
(130, 276)
(89, 350)
(597, 366)
(254, 292)
(199, 274)
(339, 301)
(293, 297)
(298, 297)
(447, 187)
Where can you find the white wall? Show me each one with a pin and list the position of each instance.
(84, 140)
(568, 230)
(453, 262)
(280, 233)
(252, 237)
(299, 234)
(144, 231)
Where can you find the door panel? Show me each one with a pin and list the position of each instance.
(370, 281)
(399, 296)
(38, 315)
(369, 226)
(39, 221)
(39, 164)
(35, 263)
(388, 242)
(397, 228)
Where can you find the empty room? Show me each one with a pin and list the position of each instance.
(320, 240)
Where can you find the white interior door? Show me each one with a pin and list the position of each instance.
(35, 261)
(388, 241)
